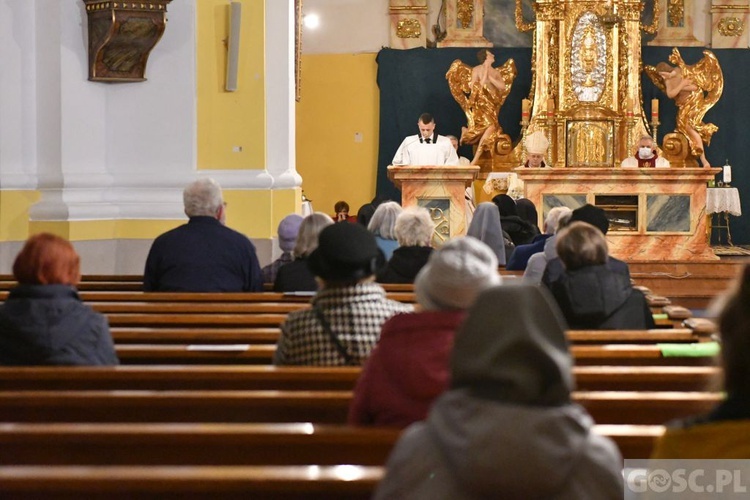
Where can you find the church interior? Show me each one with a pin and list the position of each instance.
(109, 109)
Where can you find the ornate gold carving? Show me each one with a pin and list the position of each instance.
(481, 92)
(121, 37)
(695, 89)
(652, 28)
(676, 12)
(590, 143)
(520, 24)
(408, 28)
(731, 26)
(465, 11)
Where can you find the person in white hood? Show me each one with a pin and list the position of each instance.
(507, 427)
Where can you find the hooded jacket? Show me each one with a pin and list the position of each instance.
(507, 427)
(596, 298)
(407, 370)
(49, 325)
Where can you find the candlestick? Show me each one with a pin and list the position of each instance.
(525, 107)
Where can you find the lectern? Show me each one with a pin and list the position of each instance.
(439, 188)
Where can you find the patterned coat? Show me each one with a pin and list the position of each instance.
(355, 314)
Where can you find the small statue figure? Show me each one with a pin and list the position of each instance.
(481, 91)
(695, 89)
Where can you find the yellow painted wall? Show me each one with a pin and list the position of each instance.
(230, 120)
(14, 214)
(340, 97)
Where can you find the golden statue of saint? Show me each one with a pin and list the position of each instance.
(481, 92)
(695, 89)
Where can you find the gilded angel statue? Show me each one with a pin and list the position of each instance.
(481, 92)
(695, 89)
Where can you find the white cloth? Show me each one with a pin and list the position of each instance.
(413, 152)
(723, 200)
(631, 162)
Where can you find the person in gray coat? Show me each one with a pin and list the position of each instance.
(507, 427)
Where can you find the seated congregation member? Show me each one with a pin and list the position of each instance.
(203, 255)
(597, 218)
(521, 255)
(344, 322)
(645, 155)
(296, 276)
(507, 427)
(341, 212)
(526, 210)
(485, 226)
(408, 368)
(287, 231)
(590, 295)
(519, 230)
(557, 218)
(413, 230)
(383, 224)
(43, 321)
(723, 432)
(366, 211)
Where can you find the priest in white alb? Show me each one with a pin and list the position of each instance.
(427, 147)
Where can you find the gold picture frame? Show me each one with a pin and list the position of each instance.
(297, 49)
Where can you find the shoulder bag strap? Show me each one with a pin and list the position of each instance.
(339, 347)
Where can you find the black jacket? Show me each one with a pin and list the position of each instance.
(295, 276)
(596, 298)
(519, 230)
(404, 265)
(49, 325)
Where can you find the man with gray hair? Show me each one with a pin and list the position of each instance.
(203, 255)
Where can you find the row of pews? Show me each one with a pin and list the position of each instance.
(196, 409)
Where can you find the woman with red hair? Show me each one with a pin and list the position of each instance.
(43, 321)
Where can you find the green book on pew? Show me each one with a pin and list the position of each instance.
(697, 349)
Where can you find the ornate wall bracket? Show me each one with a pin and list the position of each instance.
(121, 37)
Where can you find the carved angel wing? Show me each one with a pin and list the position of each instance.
(459, 80)
(508, 71)
(707, 75)
(655, 77)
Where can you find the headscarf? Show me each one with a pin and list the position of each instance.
(512, 348)
(527, 211)
(505, 204)
(485, 226)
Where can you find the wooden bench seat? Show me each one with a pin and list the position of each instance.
(270, 335)
(178, 308)
(584, 355)
(606, 407)
(231, 444)
(188, 319)
(264, 377)
(189, 482)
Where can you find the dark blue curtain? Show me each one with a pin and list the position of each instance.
(413, 82)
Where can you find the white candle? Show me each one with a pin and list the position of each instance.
(727, 173)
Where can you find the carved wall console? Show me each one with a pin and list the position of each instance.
(121, 37)
(464, 24)
(676, 24)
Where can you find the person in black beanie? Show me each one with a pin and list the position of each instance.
(596, 217)
(344, 322)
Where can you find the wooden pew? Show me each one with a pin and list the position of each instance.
(231, 444)
(270, 335)
(293, 406)
(298, 378)
(584, 355)
(189, 482)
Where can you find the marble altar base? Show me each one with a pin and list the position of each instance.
(440, 189)
(655, 214)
